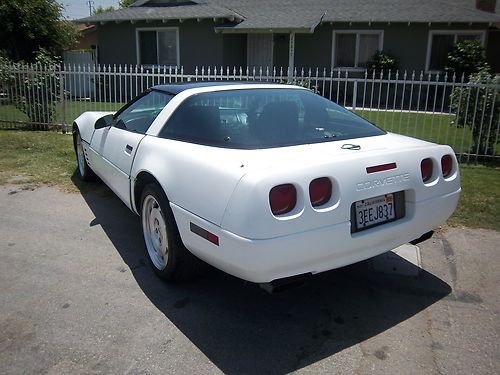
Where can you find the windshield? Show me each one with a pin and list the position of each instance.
(263, 118)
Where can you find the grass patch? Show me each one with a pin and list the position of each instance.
(435, 127)
(37, 158)
(432, 127)
(72, 110)
(11, 113)
(76, 108)
(48, 158)
(479, 205)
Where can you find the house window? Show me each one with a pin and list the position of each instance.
(158, 46)
(353, 49)
(441, 43)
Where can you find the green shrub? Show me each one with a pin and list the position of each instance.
(486, 110)
(6, 75)
(381, 61)
(39, 92)
(466, 58)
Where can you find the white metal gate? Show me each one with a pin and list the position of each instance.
(84, 87)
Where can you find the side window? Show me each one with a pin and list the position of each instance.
(442, 42)
(353, 49)
(140, 114)
(158, 46)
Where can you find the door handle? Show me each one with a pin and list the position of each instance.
(128, 149)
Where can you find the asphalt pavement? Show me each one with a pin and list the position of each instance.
(77, 296)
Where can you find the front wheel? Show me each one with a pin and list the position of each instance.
(84, 171)
(169, 258)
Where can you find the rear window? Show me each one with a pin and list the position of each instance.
(263, 118)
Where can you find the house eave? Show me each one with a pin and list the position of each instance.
(156, 19)
(412, 22)
(264, 30)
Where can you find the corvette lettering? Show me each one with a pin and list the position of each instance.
(379, 182)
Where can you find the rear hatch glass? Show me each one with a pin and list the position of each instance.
(263, 118)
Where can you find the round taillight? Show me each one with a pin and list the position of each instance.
(426, 169)
(320, 191)
(282, 199)
(446, 165)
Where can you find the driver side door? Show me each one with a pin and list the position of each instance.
(116, 145)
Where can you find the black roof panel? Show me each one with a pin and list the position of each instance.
(176, 88)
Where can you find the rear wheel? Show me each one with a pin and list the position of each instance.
(169, 258)
(84, 170)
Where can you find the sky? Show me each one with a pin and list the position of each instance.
(74, 9)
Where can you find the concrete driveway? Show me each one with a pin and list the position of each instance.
(77, 296)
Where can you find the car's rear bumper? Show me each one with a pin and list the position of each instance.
(311, 251)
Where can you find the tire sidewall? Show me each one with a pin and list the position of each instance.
(86, 170)
(171, 228)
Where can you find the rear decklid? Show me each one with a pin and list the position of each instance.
(345, 163)
(331, 151)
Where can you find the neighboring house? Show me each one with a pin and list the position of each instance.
(305, 33)
(88, 38)
(85, 50)
(83, 55)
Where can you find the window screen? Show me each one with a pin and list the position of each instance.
(147, 47)
(167, 45)
(441, 46)
(368, 45)
(345, 49)
(354, 49)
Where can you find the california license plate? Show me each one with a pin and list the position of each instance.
(376, 210)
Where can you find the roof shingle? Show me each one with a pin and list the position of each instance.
(305, 14)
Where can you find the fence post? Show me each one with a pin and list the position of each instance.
(291, 57)
(354, 95)
(62, 102)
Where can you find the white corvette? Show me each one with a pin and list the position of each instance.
(265, 182)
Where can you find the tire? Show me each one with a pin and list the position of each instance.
(170, 260)
(83, 169)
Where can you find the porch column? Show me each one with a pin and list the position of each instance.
(291, 56)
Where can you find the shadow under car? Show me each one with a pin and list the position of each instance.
(243, 329)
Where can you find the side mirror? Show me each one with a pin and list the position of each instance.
(103, 122)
